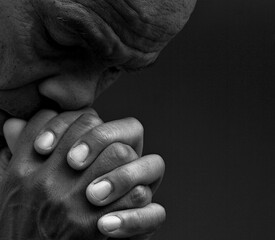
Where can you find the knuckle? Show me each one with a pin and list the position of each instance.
(22, 171)
(159, 216)
(95, 121)
(88, 119)
(101, 134)
(125, 177)
(122, 151)
(140, 196)
(57, 126)
(85, 118)
(137, 222)
(148, 221)
(159, 161)
(137, 125)
(93, 111)
(162, 216)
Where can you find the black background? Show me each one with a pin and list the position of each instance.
(208, 108)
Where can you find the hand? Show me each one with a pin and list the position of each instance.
(135, 221)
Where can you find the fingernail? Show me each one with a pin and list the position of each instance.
(101, 190)
(111, 223)
(79, 153)
(45, 140)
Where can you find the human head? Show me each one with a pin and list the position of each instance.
(66, 52)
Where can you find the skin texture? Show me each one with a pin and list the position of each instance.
(68, 52)
(61, 54)
(45, 188)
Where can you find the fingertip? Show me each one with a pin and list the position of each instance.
(133, 222)
(98, 192)
(44, 142)
(14, 125)
(77, 156)
(12, 129)
(109, 224)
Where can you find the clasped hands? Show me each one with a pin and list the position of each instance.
(71, 176)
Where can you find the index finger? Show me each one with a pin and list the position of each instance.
(52, 131)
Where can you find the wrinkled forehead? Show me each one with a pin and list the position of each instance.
(128, 32)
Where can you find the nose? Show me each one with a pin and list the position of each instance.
(69, 91)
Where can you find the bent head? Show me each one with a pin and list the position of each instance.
(66, 52)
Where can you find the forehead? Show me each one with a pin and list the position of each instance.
(128, 32)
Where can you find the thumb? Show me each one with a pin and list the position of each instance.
(12, 130)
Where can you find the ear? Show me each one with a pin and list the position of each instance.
(12, 130)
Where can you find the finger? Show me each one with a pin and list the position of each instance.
(52, 132)
(80, 126)
(134, 222)
(12, 128)
(114, 156)
(128, 131)
(147, 170)
(140, 196)
(31, 130)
